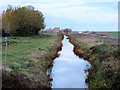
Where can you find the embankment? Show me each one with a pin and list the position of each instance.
(29, 70)
(105, 60)
(79, 52)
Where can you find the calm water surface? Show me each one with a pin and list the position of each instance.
(68, 70)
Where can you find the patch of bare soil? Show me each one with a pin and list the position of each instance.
(77, 49)
(18, 81)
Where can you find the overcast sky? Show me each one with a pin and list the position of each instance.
(79, 15)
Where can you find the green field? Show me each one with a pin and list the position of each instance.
(113, 34)
(20, 48)
(110, 34)
(31, 57)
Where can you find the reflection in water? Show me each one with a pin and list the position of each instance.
(68, 69)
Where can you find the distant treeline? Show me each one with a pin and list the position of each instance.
(22, 21)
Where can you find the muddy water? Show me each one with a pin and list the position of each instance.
(69, 71)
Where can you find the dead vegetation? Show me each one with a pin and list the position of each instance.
(104, 57)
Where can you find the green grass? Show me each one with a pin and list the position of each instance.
(31, 56)
(106, 60)
(113, 34)
(21, 47)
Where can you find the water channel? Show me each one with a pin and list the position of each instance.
(69, 71)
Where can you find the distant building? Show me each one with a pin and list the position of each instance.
(56, 30)
(45, 31)
(67, 30)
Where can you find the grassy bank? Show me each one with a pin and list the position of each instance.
(104, 57)
(113, 34)
(28, 59)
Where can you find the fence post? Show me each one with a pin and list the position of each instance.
(5, 53)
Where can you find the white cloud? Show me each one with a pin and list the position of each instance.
(79, 14)
(76, 11)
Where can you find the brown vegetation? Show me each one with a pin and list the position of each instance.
(37, 77)
(103, 56)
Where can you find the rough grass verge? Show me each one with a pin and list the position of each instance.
(105, 60)
(30, 70)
